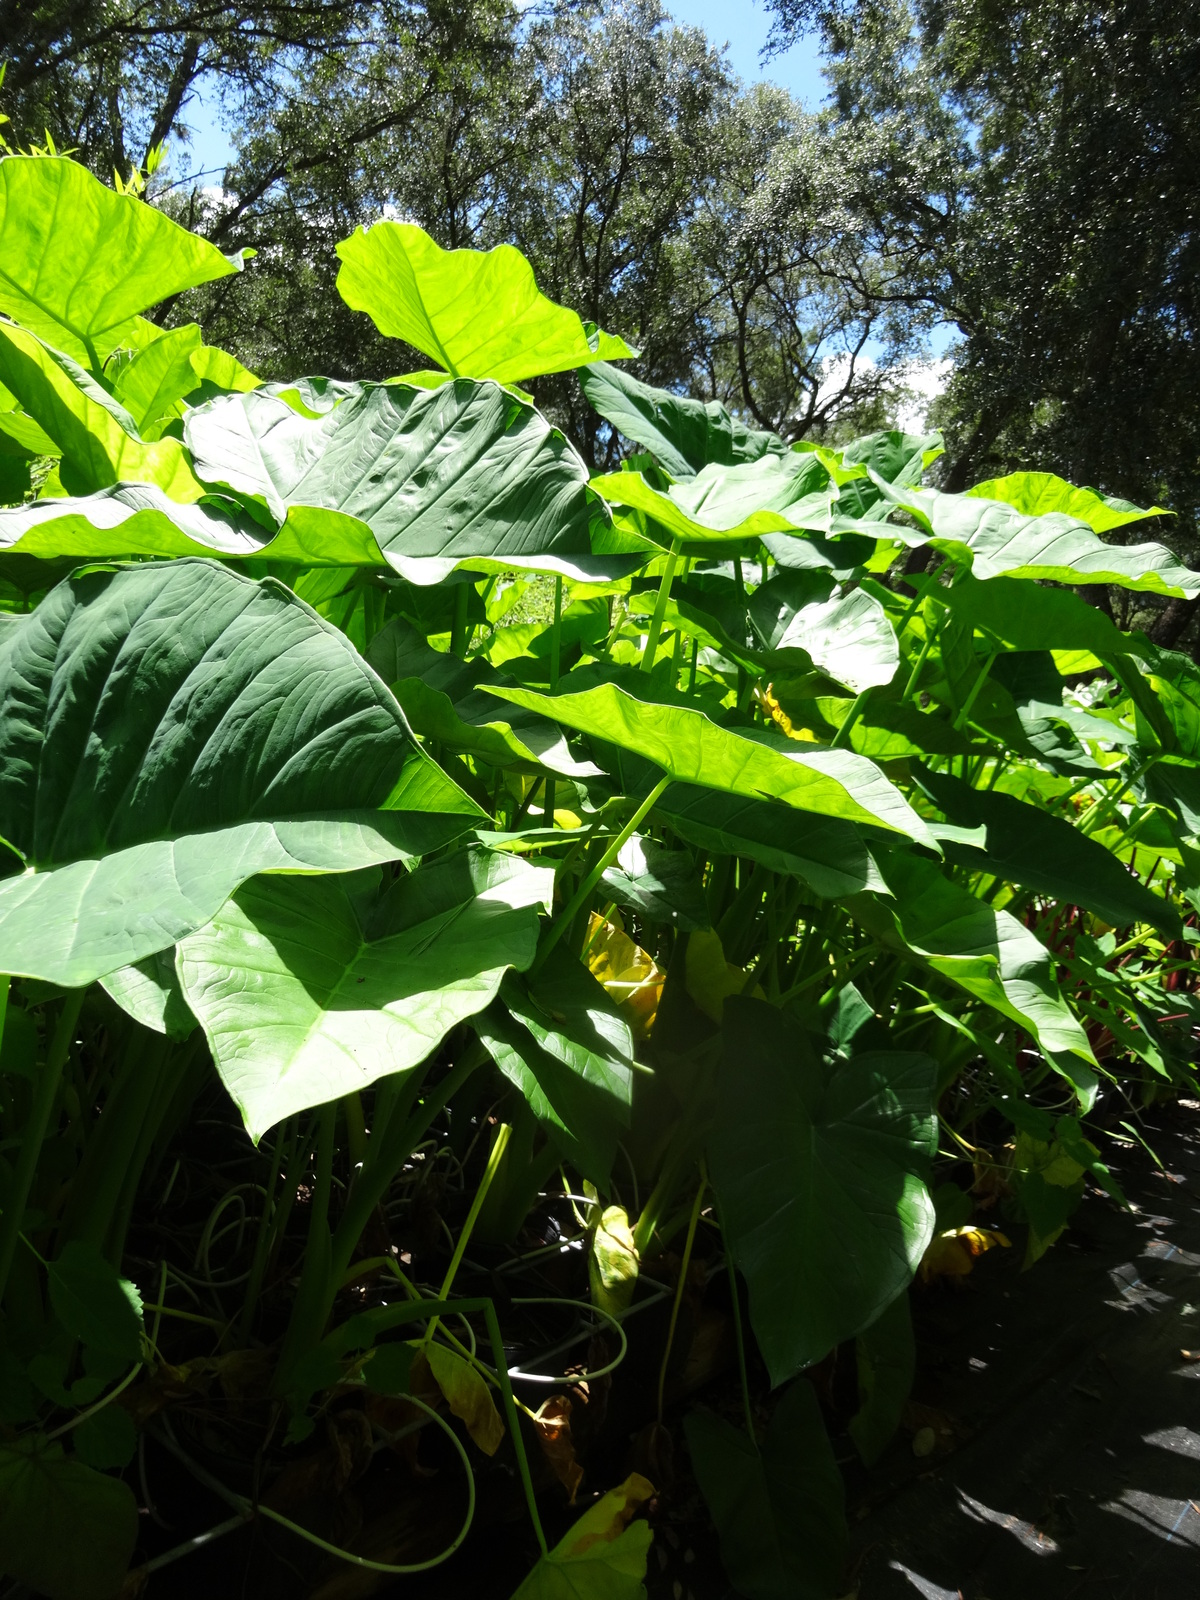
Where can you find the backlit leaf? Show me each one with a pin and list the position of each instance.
(78, 262)
(478, 314)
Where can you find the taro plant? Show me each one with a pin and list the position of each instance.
(544, 887)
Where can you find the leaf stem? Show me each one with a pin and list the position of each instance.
(684, 1264)
(567, 915)
(556, 637)
(503, 1135)
(44, 1094)
(660, 606)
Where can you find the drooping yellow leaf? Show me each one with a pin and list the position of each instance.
(627, 972)
(602, 1557)
(613, 1262)
(467, 1395)
(952, 1253)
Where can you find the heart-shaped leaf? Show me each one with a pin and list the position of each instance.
(166, 732)
(311, 988)
(477, 313)
(820, 1172)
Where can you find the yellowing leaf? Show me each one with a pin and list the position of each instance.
(602, 1557)
(467, 1395)
(553, 1423)
(768, 702)
(627, 972)
(613, 1263)
(710, 978)
(952, 1254)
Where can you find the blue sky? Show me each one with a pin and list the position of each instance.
(740, 25)
(743, 26)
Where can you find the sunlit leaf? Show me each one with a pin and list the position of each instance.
(686, 744)
(467, 1394)
(168, 731)
(1036, 493)
(996, 539)
(311, 988)
(439, 477)
(603, 1556)
(129, 519)
(478, 314)
(97, 436)
(78, 262)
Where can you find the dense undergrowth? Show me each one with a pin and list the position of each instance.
(593, 897)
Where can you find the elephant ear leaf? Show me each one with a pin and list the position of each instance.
(309, 988)
(815, 1168)
(65, 1531)
(779, 1509)
(681, 433)
(166, 732)
(1036, 493)
(603, 1556)
(477, 313)
(79, 262)
(419, 479)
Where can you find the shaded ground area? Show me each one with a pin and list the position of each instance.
(1067, 1418)
(1064, 1412)
(1073, 1413)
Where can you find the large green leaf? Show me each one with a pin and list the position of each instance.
(775, 494)
(478, 314)
(311, 988)
(684, 434)
(562, 1042)
(686, 744)
(168, 731)
(129, 519)
(820, 1174)
(986, 952)
(1026, 616)
(1028, 846)
(442, 700)
(66, 1531)
(779, 1510)
(829, 855)
(848, 636)
(78, 262)
(172, 369)
(1036, 493)
(97, 436)
(462, 473)
(996, 539)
